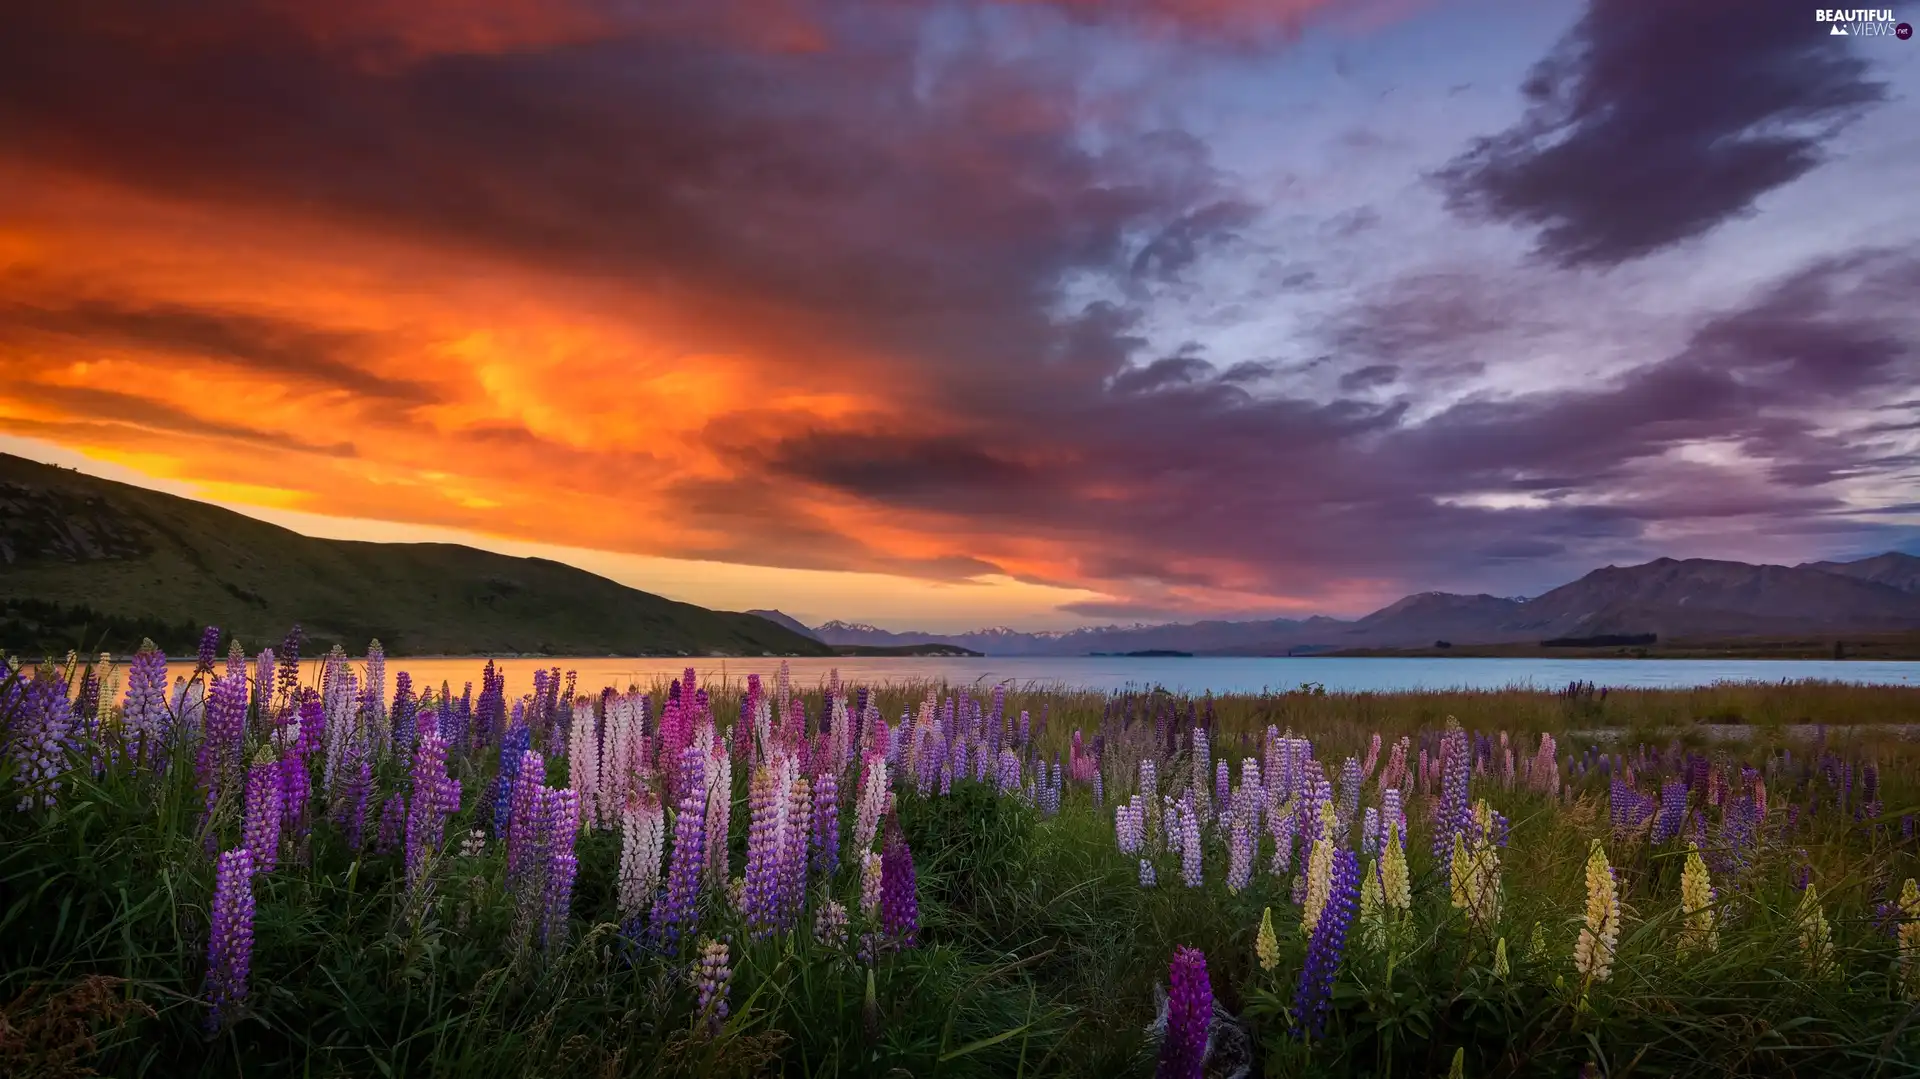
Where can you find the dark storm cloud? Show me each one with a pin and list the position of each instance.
(271, 346)
(1652, 123)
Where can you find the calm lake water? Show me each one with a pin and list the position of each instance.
(1195, 675)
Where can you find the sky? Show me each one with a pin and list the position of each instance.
(936, 315)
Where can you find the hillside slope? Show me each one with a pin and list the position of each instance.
(146, 557)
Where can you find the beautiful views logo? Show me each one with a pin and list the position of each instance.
(1862, 22)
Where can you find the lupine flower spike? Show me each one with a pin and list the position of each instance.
(1265, 946)
(1189, 1010)
(1697, 931)
(1908, 934)
(1816, 937)
(1600, 931)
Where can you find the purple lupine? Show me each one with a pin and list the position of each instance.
(1183, 1049)
(42, 735)
(677, 916)
(793, 850)
(1191, 869)
(1348, 807)
(352, 814)
(393, 822)
(209, 650)
(826, 823)
(766, 816)
(1313, 997)
(218, 766)
(265, 799)
(1008, 775)
(1455, 809)
(1673, 809)
(427, 809)
(404, 714)
(523, 820)
(1222, 785)
(296, 781)
(899, 901)
(230, 945)
(1240, 846)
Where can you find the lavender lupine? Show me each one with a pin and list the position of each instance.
(523, 833)
(1190, 851)
(677, 915)
(405, 714)
(230, 944)
(1240, 844)
(873, 795)
(1147, 876)
(767, 819)
(1455, 809)
(393, 822)
(43, 736)
(1222, 785)
(562, 865)
(1183, 1049)
(1313, 997)
(1008, 773)
(144, 719)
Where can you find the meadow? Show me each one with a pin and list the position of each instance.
(209, 867)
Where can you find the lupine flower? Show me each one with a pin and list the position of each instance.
(643, 842)
(1370, 831)
(830, 924)
(393, 819)
(871, 869)
(1600, 931)
(431, 799)
(1240, 851)
(230, 945)
(1673, 809)
(563, 826)
(712, 978)
(144, 719)
(1696, 905)
(1319, 876)
(873, 796)
(1501, 968)
(677, 915)
(1313, 999)
(1266, 947)
(42, 738)
(263, 814)
(767, 819)
(1908, 936)
(899, 901)
(1373, 914)
(1189, 1012)
(1816, 937)
(1457, 759)
(1147, 876)
(1007, 774)
(826, 822)
(1191, 867)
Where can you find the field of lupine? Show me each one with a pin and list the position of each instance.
(217, 869)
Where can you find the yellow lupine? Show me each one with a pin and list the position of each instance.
(1319, 873)
(1265, 946)
(1816, 938)
(1600, 931)
(1909, 937)
(1697, 930)
(1500, 966)
(1460, 873)
(1373, 915)
(1396, 889)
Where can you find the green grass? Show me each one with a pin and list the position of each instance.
(1040, 953)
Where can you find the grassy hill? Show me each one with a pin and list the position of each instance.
(82, 557)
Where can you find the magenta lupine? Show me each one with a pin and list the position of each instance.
(899, 900)
(677, 915)
(1183, 1048)
(712, 979)
(144, 721)
(230, 944)
(265, 797)
(826, 823)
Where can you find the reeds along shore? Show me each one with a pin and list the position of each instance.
(217, 869)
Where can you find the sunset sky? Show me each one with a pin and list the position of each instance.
(946, 314)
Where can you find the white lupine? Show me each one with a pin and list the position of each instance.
(643, 845)
(583, 764)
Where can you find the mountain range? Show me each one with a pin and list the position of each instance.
(1670, 598)
(88, 563)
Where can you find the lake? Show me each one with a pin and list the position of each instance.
(1191, 675)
